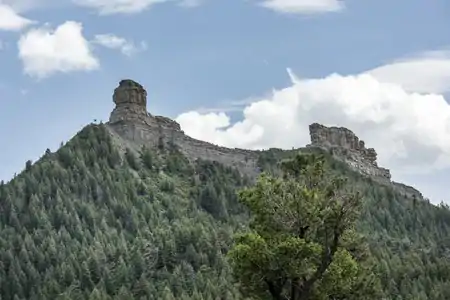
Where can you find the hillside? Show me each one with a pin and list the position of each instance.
(135, 209)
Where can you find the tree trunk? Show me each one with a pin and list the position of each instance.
(275, 289)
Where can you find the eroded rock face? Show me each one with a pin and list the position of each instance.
(136, 127)
(131, 102)
(131, 121)
(131, 107)
(344, 144)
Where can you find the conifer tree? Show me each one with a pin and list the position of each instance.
(301, 244)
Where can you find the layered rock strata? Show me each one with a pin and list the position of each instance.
(133, 125)
(131, 103)
(131, 121)
(344, 144)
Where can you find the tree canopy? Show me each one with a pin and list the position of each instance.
(302, 240)
(95, 220)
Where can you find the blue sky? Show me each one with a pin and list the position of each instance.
(244, 73)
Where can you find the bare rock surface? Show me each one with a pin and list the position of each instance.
(344, 144)
(131, 123)
(131, 102)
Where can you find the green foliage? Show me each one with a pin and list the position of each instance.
(407, 239)
(92, 222)
(301, 240)
(131, 159)
(147, 158)
(89, 222)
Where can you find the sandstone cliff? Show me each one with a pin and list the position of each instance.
(344, 144)
(347, 147)
(130, 122)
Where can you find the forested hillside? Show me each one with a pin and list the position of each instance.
(93, 222)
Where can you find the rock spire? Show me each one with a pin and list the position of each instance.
(131, 102)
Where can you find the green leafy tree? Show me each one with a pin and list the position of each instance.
(301, 244)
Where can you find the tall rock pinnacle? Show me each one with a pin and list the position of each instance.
(131, 102)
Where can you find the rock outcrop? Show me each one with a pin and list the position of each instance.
(344, 144)
(131, 102)
(135, 126)
(130, 120)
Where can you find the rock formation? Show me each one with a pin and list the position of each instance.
(131, 107)
(131, 121)
(131, 102)
(344, 144)
(134, 126)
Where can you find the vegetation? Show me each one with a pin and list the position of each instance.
(302, 244)
(93, 222)
(88, 222)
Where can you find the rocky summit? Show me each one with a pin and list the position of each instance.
(346, 145)
(131, 102)
(134, 126)
(130, 121)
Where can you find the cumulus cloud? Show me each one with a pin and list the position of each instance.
(112, 41)
(10, 20)
(409, 130)
(45, 51)
(303, 6)
(427, 72)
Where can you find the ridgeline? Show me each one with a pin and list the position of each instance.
(136, 209)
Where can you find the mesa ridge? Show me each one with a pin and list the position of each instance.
(130, 121)
(344, 143)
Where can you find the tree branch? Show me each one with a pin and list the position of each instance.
(327, 258)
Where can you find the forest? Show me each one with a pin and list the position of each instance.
(90, 221)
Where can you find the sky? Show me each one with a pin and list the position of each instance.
(239, 73)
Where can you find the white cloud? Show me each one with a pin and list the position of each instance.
(44, 51)
(110, 7)
(111, 41)
(303, 6)
(22, 6)
(409, 130)
(10, 20)
(107, 7)
(428, 72)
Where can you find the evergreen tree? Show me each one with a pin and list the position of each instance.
(88, 222)
(301, 244)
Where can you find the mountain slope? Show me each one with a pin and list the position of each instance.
(85, 222)
(92, 221)
(408, 237)
(135, 209)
